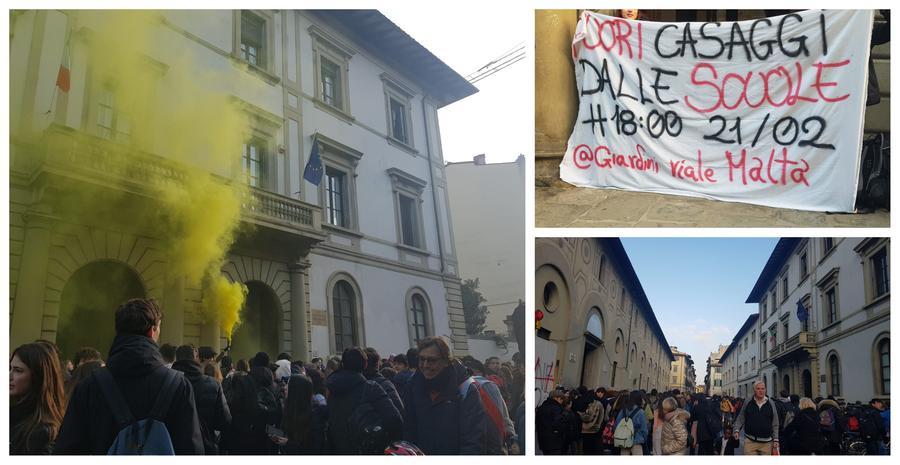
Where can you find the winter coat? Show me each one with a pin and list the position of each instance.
(389, 389)
(254, 407)
(401, 380)
(640, 423)
(316, 443)
(39, 442)
(439, 420)
(674, 433)
(802, 434)
(347, 391)
(210, 400)
(549, 423)
(593, 418)
(138, 369)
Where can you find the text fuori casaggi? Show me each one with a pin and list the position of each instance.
(768, 112)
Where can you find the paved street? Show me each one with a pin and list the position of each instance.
(559, 204)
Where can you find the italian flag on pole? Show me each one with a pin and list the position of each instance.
(63, 77)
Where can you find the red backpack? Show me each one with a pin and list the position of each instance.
(609, 432)
(490, 408)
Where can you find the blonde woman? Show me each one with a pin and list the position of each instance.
(674, 431)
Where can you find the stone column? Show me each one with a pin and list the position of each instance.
(172, 330)
(28, 309)
(555, 95)
(299, 329)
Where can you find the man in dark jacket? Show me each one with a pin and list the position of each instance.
(138, 369)
(440, 419)
(549, 422)
(351, 397)
(208, 395)
(404, 374)
(373, 359)
(759, 420)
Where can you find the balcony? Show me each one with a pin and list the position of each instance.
(798, 346)
(65, 156)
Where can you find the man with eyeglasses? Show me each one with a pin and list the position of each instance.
(443, 416)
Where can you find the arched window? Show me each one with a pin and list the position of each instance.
(834, 373)
(343, 302)
(418, 316)
(884, 365)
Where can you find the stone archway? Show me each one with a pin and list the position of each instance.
(260, 326)
(88, 303)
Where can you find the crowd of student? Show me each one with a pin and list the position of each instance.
(603, 422)
(147, 399)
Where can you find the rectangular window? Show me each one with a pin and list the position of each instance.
(602, 268)
(774, 306)
(831, 305)
(331, 82)
(253, 164)
(398, 120)
(786, 331)
(112, 124)
(827, 244)
(804, 266)
(880, 272)
(784, 287)
(409, 221)
(335, 197)
(753, 337)
(622, 298)
(253, 39)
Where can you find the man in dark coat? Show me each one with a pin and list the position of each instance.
(208, 395)
(550, 424)
(373, 358)
(138, 369)
(349, 391)
(440, 419)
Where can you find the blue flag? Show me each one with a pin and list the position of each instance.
(314, 169)
(802, 313)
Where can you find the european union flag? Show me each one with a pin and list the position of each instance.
(314, 169)
(802, 312)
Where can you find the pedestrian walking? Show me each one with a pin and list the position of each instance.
(758, 419)
(803, 432)
(36, 399)
(674, 437)
(136, 375)
(212, 409)
(438, 417)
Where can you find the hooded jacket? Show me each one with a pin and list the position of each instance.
(135, 363)
(389, 389)
(803, 434)
(210, 400)
(674, 432)
(439, 420)
(347, 391)
(549, 423)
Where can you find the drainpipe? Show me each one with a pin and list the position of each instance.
(437, 219)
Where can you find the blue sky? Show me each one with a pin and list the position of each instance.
(697, 287)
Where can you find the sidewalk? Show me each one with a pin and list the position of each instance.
(558, 204)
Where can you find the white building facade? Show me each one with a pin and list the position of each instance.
(824, 306)
(488, 211)
(366, 257)
(740, 361)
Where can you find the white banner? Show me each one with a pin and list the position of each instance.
(768, 111)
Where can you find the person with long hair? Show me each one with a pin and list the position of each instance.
(36, 399)
(304, 423)
(82, 372)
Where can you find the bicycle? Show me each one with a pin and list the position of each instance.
(852, 444)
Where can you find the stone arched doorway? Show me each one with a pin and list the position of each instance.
(592, 368)
(260, 324)
(88, 304)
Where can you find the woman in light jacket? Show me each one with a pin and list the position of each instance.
(674, 432)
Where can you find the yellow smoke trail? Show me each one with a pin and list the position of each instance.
(179, 111)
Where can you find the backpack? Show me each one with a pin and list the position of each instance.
(868, 424)
(609, 431)
(147, 436)
(713, 422)
(366, 427)
(827, 420)
(490, 407)
(624, 433)
(725, 406)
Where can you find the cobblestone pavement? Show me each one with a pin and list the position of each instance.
(558, 204)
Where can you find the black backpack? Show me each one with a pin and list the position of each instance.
(868, 424)
(366, 427)
(713, 421)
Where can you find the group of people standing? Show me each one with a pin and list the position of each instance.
(597, 422)
(183, 400)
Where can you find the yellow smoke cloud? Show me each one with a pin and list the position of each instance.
(178, 110)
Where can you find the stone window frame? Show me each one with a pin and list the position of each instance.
(264, 127)
(267, 70)
(785, 284)
(339, 157)
(877, 368)
(428, 314)
(396, 90)
(602, 270)
(829, 374)
(825, 285)
(358, 320)
(867, 250)
(803, 261)
(327, 46)
(404, 184)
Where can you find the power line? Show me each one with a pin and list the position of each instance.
(507, 64)
(507, 58)
(515, 49)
